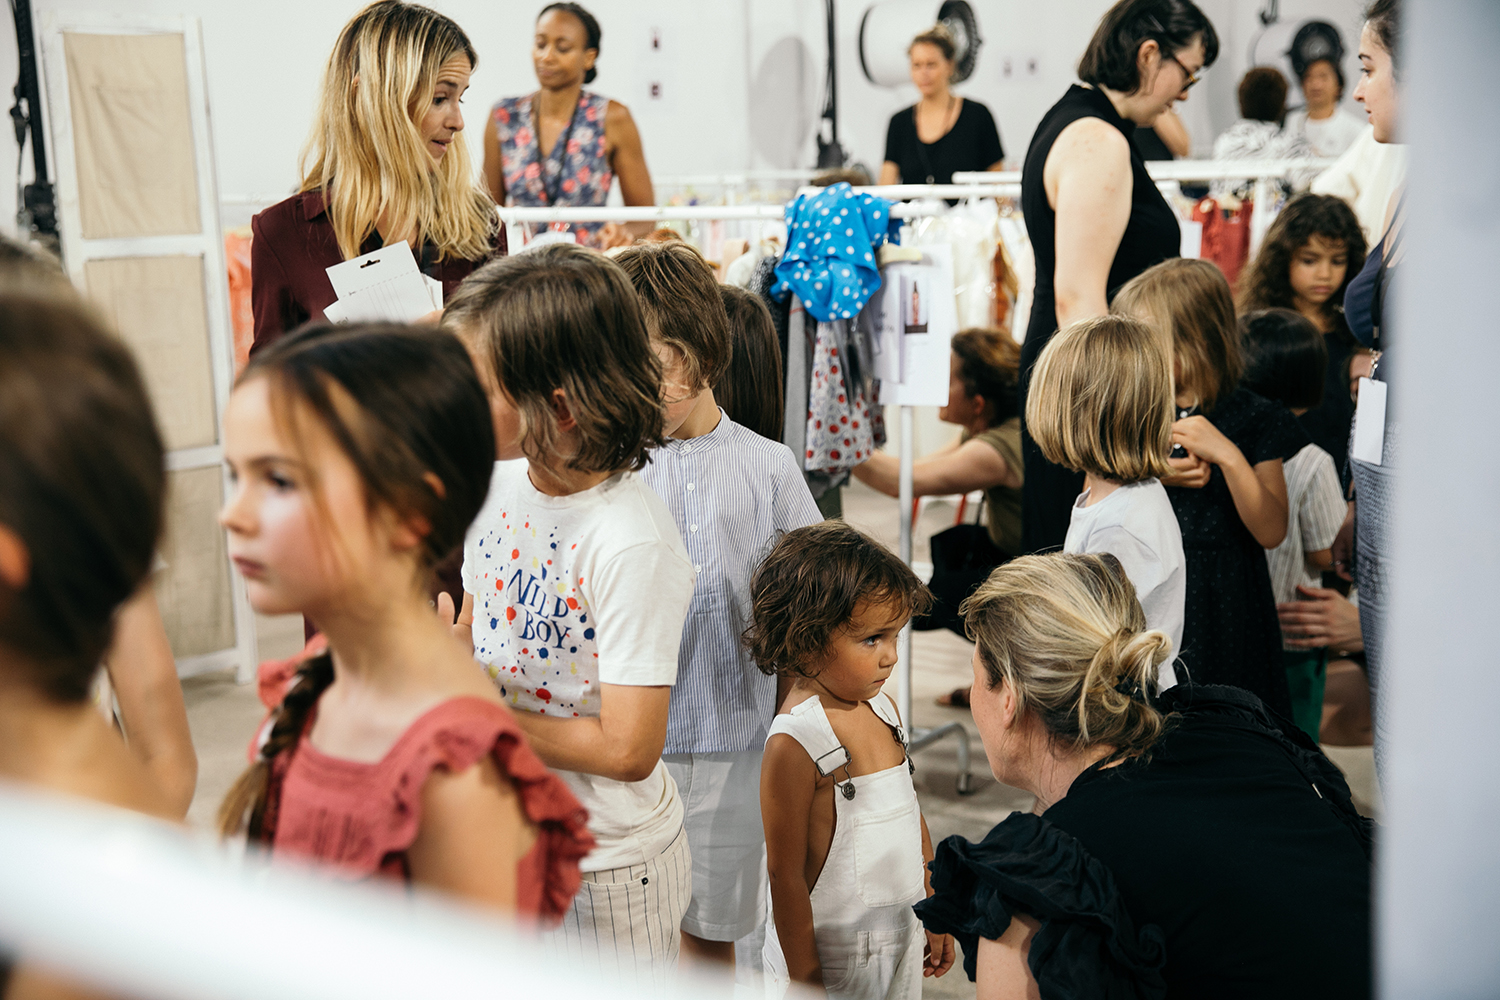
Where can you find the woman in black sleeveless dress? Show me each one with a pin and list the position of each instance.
(1094, 216)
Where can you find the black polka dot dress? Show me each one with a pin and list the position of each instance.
(1230, 632)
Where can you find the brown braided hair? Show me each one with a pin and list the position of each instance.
(423, 443)
(251, 803)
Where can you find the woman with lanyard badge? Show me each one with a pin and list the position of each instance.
(1365, 539)
(563, 145)
(388, 164)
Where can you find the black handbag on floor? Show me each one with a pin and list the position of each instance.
(962, 558)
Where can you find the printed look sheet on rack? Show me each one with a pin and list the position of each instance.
(383, 285)
(916, 318)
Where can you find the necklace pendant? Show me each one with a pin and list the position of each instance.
(848, 789)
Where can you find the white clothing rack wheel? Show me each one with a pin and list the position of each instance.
(930, 204)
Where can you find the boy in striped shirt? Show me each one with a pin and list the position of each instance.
(732, 494)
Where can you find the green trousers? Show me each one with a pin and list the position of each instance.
(1306, 672)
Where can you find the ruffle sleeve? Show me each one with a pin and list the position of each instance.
(1087, 945)
(361, 819)
(458, 735)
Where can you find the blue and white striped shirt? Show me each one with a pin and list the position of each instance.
(732, 493)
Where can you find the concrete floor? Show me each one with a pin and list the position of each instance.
(224, 716)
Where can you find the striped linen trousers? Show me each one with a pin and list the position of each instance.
(626, 922)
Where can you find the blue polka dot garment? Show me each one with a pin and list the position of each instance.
(829, 262)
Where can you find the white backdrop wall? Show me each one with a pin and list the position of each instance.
(739, 83)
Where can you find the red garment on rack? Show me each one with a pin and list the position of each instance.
(1226, 235)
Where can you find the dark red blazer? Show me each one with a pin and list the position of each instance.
(292, 245)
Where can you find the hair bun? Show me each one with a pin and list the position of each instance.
(1127, 662)
(1140, 655)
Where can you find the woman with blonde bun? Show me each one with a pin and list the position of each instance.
(385, 162)
(1182, 845)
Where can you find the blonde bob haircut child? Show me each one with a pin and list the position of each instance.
(1190, 301)
(365, 152)
(564, 318)
(1101, 400)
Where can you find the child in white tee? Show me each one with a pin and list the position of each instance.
(577, 583)
(1100, 403)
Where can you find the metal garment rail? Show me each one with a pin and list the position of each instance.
(931, 204)
(1261, 173)
(905, 209)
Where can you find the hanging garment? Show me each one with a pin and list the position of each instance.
(1226, 235)
(972, 229)
(575, 172)
(830, 256)
(869, 940)
(1248, 139)
(762, 280)
(840, 434)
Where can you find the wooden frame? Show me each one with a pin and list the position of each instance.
(207, 246)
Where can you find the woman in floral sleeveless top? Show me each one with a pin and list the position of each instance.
(564, 145)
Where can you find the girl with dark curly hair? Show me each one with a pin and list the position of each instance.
(1312, 251)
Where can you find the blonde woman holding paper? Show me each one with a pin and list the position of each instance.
(385, 163)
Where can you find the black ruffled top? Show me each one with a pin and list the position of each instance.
(1088, 946)
(1229, 863)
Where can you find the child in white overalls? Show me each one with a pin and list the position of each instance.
(846, 844)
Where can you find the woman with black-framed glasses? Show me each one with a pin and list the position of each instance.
(1094, 216)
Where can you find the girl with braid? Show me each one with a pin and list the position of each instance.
(358, 459)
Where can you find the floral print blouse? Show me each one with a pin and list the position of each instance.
(576, 172)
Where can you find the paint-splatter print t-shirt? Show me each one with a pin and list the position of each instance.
(573, 592)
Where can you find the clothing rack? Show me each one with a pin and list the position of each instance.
(1169, 172)
(903, 193)
(930, 202)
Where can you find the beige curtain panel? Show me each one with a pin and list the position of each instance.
(132, 135)
(197, 604)
(157, 305)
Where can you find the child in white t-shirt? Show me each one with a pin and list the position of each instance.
(1286, 359)
(732, 493)
(576, 582)
(1101, 403)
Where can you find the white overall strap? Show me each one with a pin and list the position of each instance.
(808, 724)
(885, 707)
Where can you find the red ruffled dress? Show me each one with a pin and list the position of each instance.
(360, 818)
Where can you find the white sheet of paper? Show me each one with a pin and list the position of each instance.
(434, 291)
(384, 284)
(922, 359)
(1369, 423)
(335, 312)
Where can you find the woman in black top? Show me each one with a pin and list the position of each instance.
(941, 133)
(1094, 216)
(1181, 847)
